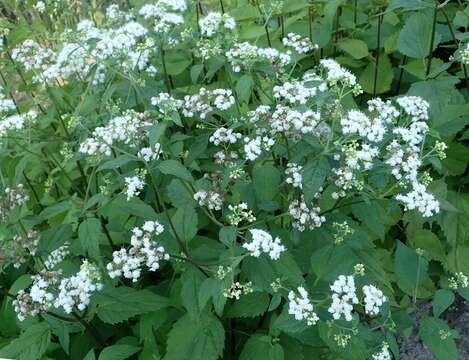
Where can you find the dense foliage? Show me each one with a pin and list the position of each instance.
(218, 179)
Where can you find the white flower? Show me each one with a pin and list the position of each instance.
(300, 306)
(253, 148)
(336, 73)
(133, 186)
(414, 106)
(305, 216)
(384, 353)
(57, 256)
(421, 200)
(224, 135)
(215, 22)
(374, 299)
(262, 242)
(40, 6)
(294, 177)
(211, 199)
(343, 298)
(301, 45)
(76, 290)
(148, 154)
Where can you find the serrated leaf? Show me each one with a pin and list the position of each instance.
(261, 347)
(196, 339)
(249, 305)
(89, 233)
(442, 347)
(442, 300)
(119, 304)
(414, 39)
(266, 180)
(30, 345)
(314, 174)
(118, 352)
(355, 47)
(175, 168)
(244, 87)
(410, 268)
(185, 221)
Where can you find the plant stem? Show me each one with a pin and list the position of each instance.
(432, 40)
(378, 48)
(91, 329)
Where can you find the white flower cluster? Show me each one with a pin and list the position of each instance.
(42, 288)
(24, 306)
(385, 111)
(149, 154)
(300, 306)
(166, 103)
(14, 122)
(262, 242)
(144, 251)
(305, 216)
(374, 299)
(414, 106)
(57, 256)
(301, 45)
(294, 92)
(76, 290)
(343, 298)
(253, 147)
(237, 289)
(294, 176)
(383, 354)
(124, 46)
(13, 198)
(164, 14)
(133, 186)
(125, 129)
(421, 200)
(201, 103)
(222, 157)
(244, 55)
(224, 135)
(20, 249)
(357, 122)
(336, 74)
(209, 198)
(215, 22)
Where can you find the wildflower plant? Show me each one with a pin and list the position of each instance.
(179, 184)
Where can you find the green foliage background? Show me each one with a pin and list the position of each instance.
(394, 47)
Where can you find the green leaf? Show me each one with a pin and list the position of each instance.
(414, 39)
(249, 305)
(384, 76)
(314, 174)
(227, 235)
(116, 163)
(196, 339)
(410, 268)
(118, 352)
(356, 48)
(244, 87)
(441, 346)
(119, 304)
(266, 180)
(134, 206)
(442, 300)
(369, 215)
(196, 70)
(185, 221)
(173, 167)
(89, 233)
(261, 347)
(425, 239)
(30, 345)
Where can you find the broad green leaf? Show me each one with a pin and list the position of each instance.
(266, 180)
(414, 39)
(173, 167)
(369, 215)
(384, 76)
(113, 164)
(227, 235)
(356, 48)
(30, 345)
(261, 347)
(410, 268)
(196, 339)
(249, 305)
(428, 241)
(119, 304)
(89, 233)
(436, 335)
(314, 173)
(244, 87)
(118, 352)
(185, 221)
(442, 300)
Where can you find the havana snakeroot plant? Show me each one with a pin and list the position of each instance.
(172, 190)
